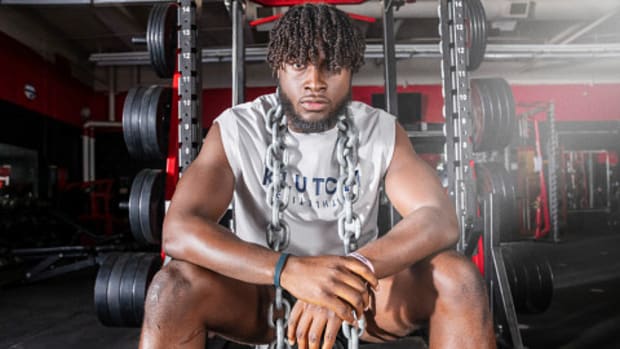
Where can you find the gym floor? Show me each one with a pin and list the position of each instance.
(58, 313)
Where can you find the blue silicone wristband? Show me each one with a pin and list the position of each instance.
(279, 266)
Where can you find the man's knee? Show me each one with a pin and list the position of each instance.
(458, 281)
(175, 289)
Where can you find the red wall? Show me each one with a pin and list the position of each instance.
(574, 102)
(58, 94)
(62, 97)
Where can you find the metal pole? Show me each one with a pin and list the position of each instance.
(389, 54)
(238, 53)
(190, 85)
(111, 93)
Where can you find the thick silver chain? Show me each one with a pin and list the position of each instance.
(278, 234)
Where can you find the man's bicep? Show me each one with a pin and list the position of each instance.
(410, 183)
(206, 187)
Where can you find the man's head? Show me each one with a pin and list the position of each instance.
(313, 50)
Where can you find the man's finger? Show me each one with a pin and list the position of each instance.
(341, 308)
(331, 332)
(316, 329)
(351, 296)
(301, 333)
(363, 271)
(293, 321)
(360, 285)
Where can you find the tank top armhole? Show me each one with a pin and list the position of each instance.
(390, 142)
(229, 133)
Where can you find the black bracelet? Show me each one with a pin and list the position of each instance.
(279, 267)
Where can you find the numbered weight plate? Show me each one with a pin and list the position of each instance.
(121, 286)
(146, 206)
(476, 27)
(161, 38)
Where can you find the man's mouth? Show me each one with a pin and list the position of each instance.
(314, 104)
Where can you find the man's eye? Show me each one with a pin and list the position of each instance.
(298, 66)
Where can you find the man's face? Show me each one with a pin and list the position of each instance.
(312, 97)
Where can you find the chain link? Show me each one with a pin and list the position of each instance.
(349, 223)
(278, 233)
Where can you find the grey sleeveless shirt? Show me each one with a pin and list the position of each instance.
(312, 173)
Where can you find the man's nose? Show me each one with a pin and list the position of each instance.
(315, 80)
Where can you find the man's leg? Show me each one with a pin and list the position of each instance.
(185, 302)
(447, 291)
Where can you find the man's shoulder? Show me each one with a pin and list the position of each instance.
(361, 109)
(256, 108)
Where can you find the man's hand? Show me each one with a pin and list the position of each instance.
(339, 284)
(310, 323)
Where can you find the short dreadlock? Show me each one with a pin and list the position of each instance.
(306, 31)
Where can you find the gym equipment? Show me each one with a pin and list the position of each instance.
(492, 177)
(538, 270)
(146, 120)
(146, 206)
(493, 113)
(121, 285)
(161, 38)
(476, 29)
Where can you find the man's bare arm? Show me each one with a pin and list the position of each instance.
(191, 233)
(429, 222)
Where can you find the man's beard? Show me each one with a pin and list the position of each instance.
(305, 126)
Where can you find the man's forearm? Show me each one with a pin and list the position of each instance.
(423, 232)
(216, 248)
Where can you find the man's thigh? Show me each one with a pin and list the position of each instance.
(406, 300)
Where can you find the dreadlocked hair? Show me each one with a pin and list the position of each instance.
(307, 31)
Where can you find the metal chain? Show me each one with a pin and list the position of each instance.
(278, 234)
(349, 223)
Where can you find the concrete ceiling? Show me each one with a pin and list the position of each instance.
(78, 31)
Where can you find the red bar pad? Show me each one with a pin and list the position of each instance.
(277, 3)
(172, 161)
(259, 21)
(264, 20)
(362, 18)
(478, 258)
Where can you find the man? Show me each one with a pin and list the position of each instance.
(222, 283)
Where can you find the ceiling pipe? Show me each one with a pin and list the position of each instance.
(403, 51)
(495, 9)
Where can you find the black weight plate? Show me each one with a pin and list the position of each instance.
(136, 151)
(151, 30)
(500, 114)
(480, 43)
(152, 207)
(160, 67)
(510, 110)
(143, 121)
(164, 109)
(477, 116)
(149, 265)
(101, 289)
(490, 116)
(128, 134)
(126, 290)
(114, 289)
(158, 123)
(151, 143)
(504, 130)
(170, 39)
(134, 204)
